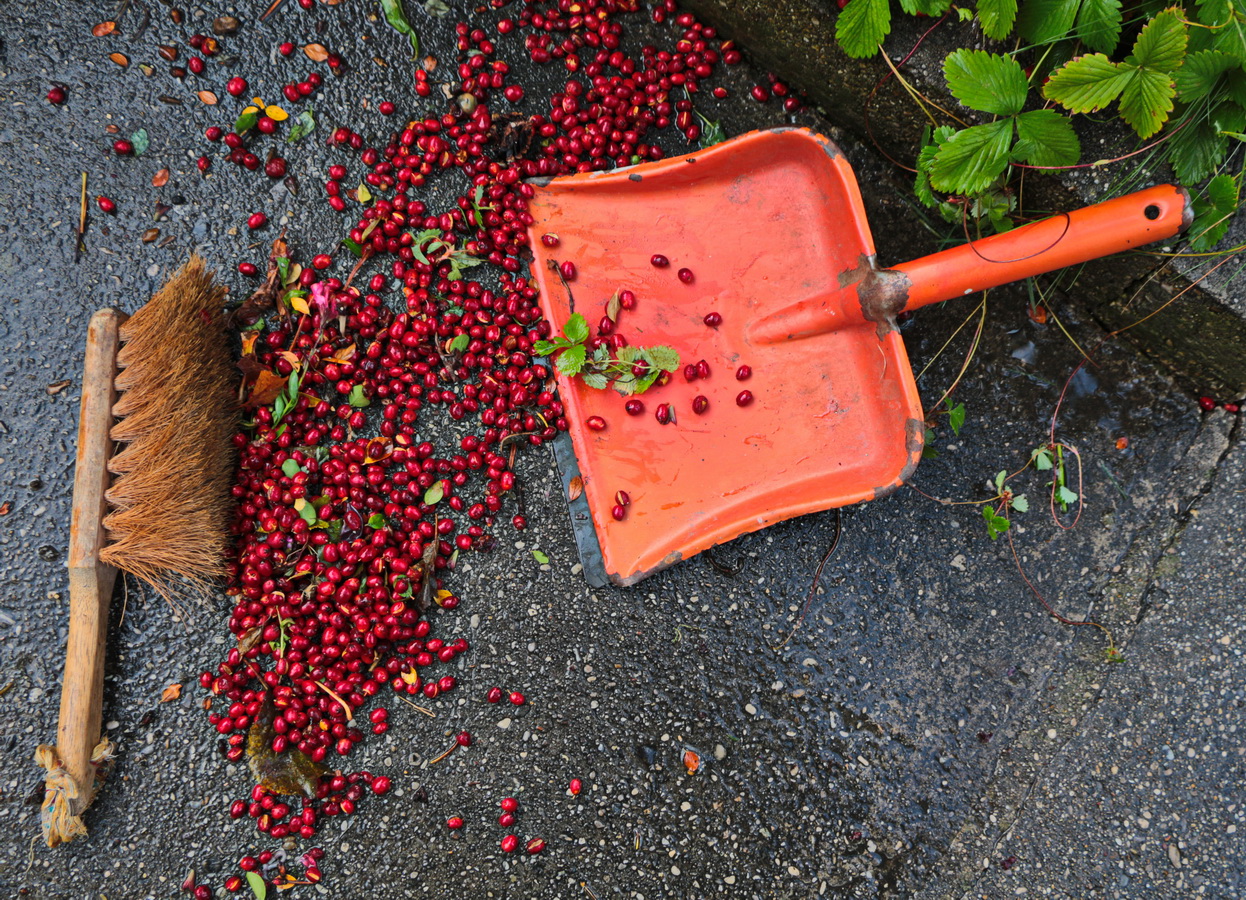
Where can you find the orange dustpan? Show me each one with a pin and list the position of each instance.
(772, 227)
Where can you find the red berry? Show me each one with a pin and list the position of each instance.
(744, 373)
(322, 261)
(506, 820)
(257, 220)
(517, 698)
(1232, 407)
(622, 498)
(509, 843)
(1207, 403)
(700, 404)
(550, 240)
(248, 269)
(535, 846)
(286, 49)
(744, 398)
(575, 787)
(567, 270)
(386, 108)
(513, 93)
(658, 261)
(634, 407)
(213, 132)
(596, 423)
(203, 163)
(454, 823)
(618, 512)
(627, 300)
(236, 86)
(685, 275)
(760, 93)
(106, 205)
(195, 64)
(380, 785)
(509, 804)
(713, 320)
(463, 739)
(265, 125)
(57, 95)
(275, 167)
(664, 414)
(122, 147)
(494, 695)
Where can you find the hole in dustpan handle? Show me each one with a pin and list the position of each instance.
(1063, 240)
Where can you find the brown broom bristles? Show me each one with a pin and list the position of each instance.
(178, 409)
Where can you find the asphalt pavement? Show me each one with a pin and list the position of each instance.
(916, 726)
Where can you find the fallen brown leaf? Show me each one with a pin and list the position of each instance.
(208, 97)
(172, 692)
(120, 59)
(57, 386)
(268, 386)
(5, 507)
(575, 488)
(150, 235)
(160, 179)
(265, 296)
(104, 28)
(316, 52)
(167, 52)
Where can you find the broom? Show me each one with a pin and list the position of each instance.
(167, 375)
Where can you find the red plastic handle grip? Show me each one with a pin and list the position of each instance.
(1063, 240)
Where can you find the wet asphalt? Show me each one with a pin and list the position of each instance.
(918, 726)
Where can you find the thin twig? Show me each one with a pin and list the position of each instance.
(817, 576)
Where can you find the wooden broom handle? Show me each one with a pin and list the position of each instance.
(90, 581)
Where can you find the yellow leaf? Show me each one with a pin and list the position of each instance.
(411, 677)
(250, 109)
(299, 504)
(363, 193)
(299, 304)
(276, 113)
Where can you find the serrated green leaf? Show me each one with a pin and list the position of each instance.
(625, 387)
(1161, 44)
(436, 491)
(1042, 459)
(259, 887)
(1020, 504)
(540, 557)
(1045, 21)
(1046, 138)
(571, 360)
(1064, 496)
(334, 530)
(459, 343)
(925, 7)
(986, 81)
(1202, 73)
(995, 524)
(1230, 38)
(1099, 24)
(1196, 151)
(644, 382)
(290, 468)
(1213, 12)
(662, 357)
(1146, 100)
(359, 396)
(1213, 213)
(141, 141)
(576, 329)
(972, 158)
(1222, 191)
(377, 521)
(956, 418)
(628, 354)
(545, 348)
(862, 25)
(997, 17)
(1086, 84)
(246, 121)
(595, 380)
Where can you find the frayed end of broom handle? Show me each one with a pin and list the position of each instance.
(90, 581)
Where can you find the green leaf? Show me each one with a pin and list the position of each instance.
(1202, 73)
(435, 493)
(999, 480)
(644, 382)
(661, 357)
(545, 348)
(956, 418)
(595, 380)
(377, 521)
(304, 124)
(862, 25)
(353, 247)
(290, 468)
(1213, 12)
(460, 343)
(997, 17)
(540, 557)
(359, 396)
(334, 530)
(397, 20)
(1042, 459)
(1046, 21)
(1196, 151)
(1099, 24)
(1161, 45)
(995, 524)
(711, 132)
(1064, 496)
(283, 268)
(1222, 191)
(259, 886)
(576, 329)
(1046, 138)
(628, 354)
(1147, 101)
(571, 360)
(985, 81)
(307, 512)
(1020, 504)
(246, 121)
(1086, 84)
(141, 141)
(1212, 214)
(972, 158)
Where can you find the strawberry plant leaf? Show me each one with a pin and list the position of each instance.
(986, 81)
(1196, 151)
(1020, 504)
(595, 380)
(246, 121)
(1099, 24)
(1046, 138)
(1213, 12)
(1146, 100)
(646, 381)
(1086, 84)
(1201, 74)
(1161, 44)
(956, 418)
(1046, 21)
(628, 354)
(997, 17)
(545, 348)
(862, 26)
(995, 523)
(1042, 459)
(1212, 213)
(140, 141)
(576, 329)
(1065, 497)
(1222, 191)
(459, 344)
(665, 358)
(376, 521)
(972, 158)
(359, 396)
(571, 360)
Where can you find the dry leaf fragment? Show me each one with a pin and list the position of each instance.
(208, 97)
(120, 59)
(104, 28)
(57, 386)
(575, 488)
(150, 235)
(160, 179)
(167, 52)
(692, 760)
(225, 25)
(268, 386)
(5, 507)
(316, 52)
(172, 692)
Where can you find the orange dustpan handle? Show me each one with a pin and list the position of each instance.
(1063, 240)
